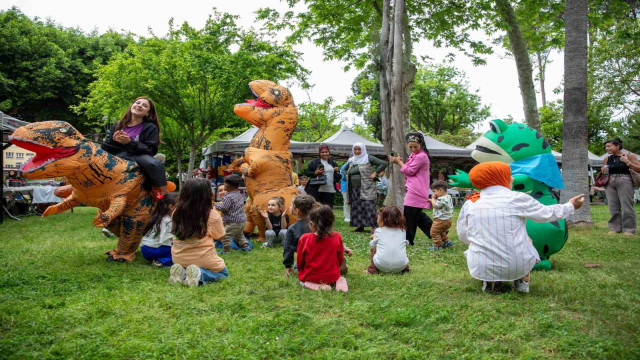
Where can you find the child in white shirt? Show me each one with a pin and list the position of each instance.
(389, 243)
(156, 244)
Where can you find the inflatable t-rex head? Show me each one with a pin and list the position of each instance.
(273, 112)
(509, 143)
(51, 141)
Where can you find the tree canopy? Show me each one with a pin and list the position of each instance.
(195, 76)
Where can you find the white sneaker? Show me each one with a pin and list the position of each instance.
(193, 276)
(176, 274)
(521, 286)
(347, 220)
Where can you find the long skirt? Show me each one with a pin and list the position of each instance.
(363, 212)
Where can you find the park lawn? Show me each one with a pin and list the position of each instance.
(60, 299)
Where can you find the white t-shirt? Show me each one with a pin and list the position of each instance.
(164, 238)
(328, 187)
(391, 249)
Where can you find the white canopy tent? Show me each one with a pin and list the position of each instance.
(238, 144)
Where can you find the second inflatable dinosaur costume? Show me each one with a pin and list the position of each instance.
(535, 172)
(268, 162)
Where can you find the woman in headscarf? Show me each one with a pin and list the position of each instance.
(362, 194)
(417, 175)
(493, 223)
(323, 168)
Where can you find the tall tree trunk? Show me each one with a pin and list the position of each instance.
(523, 63)
(398, 121)
(385, 94)
(574, 131)
(179, 161)
(541, 71)
(192, 161)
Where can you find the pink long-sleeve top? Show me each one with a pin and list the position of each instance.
(417, 180)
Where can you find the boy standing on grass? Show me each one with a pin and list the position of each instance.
(442, 213)
(233, 216)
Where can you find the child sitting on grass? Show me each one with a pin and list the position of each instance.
(389, 243)
(156, 243)
(195, 226)
(321, 253)
(442, 213)
(233, 215)
(300, 206)
(276, 220)
(494, 224)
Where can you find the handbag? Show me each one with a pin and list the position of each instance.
(318, 180)
(635, 177)
(602, 180)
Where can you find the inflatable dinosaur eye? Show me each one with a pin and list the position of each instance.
(276, 92)
(64, 130)
(498, 126)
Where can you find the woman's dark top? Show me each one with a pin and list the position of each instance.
(311, 173)
(145, 144)
(616, 166)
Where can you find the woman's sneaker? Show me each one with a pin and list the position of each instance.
(176, 274)
(193, 276)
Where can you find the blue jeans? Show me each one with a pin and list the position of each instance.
(162, 254)
(211, 276)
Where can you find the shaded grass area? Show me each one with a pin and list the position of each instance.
(60, 299)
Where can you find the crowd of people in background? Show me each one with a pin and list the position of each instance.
(184, 227)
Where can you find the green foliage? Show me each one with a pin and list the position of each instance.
(195, 76)
(598, 117)
(615, 55)
(441, 100)
(366, 99)
(318, 121)
(551, 123)
(45, 69)
(462, 138)
(60, 299)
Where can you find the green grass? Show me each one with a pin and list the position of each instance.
(60, 299)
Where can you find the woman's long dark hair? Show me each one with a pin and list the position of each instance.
(151, 117)
(161, 210)
(192, 212)
(322, 218)
(617, 142)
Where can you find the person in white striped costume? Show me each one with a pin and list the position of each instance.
(493, 223)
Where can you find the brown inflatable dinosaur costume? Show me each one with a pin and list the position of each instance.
(99, 179)
(267, 162)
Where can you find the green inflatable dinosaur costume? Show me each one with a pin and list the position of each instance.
(535, 172)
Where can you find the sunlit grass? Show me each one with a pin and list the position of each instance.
(60, 299)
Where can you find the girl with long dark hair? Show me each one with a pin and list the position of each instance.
(321, 253)
(156, 244)
(195, 227)
(136, 137)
